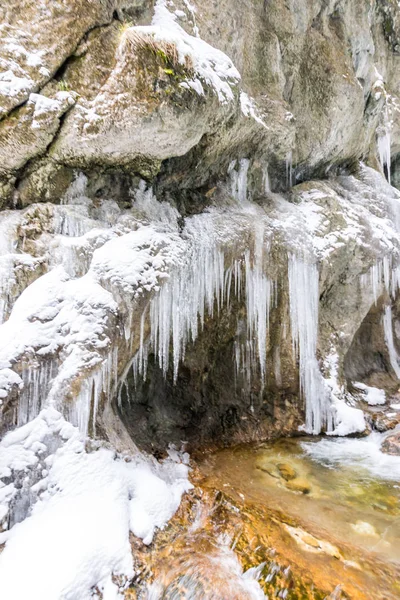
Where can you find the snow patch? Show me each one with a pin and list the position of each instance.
(76, 534)
(371, 395)
(249, 108)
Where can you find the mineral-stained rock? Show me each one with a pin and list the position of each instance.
(391, 445)
(299, 484)
(286, 471)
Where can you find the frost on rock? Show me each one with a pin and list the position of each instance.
(249, 109)
(79, 508)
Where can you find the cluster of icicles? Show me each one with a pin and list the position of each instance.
(207, 281)
(204, 284)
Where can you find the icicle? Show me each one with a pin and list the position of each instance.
(304, 298)
(37, 379)
(179, 309)
(177, 313)
(265, 182)
(157, 212)
(289, 169)
(102, 381)
(245, 360)
(384, 152)
(258, 300)
(237, 271)
(388, 331)
(382, 277)
(76, 193)
(239, 179)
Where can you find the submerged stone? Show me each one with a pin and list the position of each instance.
(286, 471)
(299, 485)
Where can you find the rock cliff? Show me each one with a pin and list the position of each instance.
(200, 239)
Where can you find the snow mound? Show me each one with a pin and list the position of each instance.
(371, 395)
(75, 510)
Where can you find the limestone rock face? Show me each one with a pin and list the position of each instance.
(36, 39)
(323, 62)
(31, 129)
(316, 90)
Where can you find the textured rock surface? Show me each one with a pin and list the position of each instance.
(213, 106)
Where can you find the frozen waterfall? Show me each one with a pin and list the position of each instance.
(304, 299)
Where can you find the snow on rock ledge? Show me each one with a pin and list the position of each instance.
(166, 89)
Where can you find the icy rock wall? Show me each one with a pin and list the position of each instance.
(98, 274)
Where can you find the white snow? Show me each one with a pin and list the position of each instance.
(12, 85)
(343, 419)
(347, 419)
(371, 395)
(76, 533)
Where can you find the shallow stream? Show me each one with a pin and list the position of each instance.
(345, 486)
(299, 519)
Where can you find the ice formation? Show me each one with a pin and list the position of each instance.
(372, 395)
(203, 283)
(388, 331)
(238, 178)
(106, 266)
(382, 277)
(384, 152)
(304, 300)
(258, 299)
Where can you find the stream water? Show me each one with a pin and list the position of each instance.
(341, 491)
(299, 518)
(346, 486)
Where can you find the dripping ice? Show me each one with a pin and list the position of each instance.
(304, 298)
(205, 283)
(388, 332)
(383, 142)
